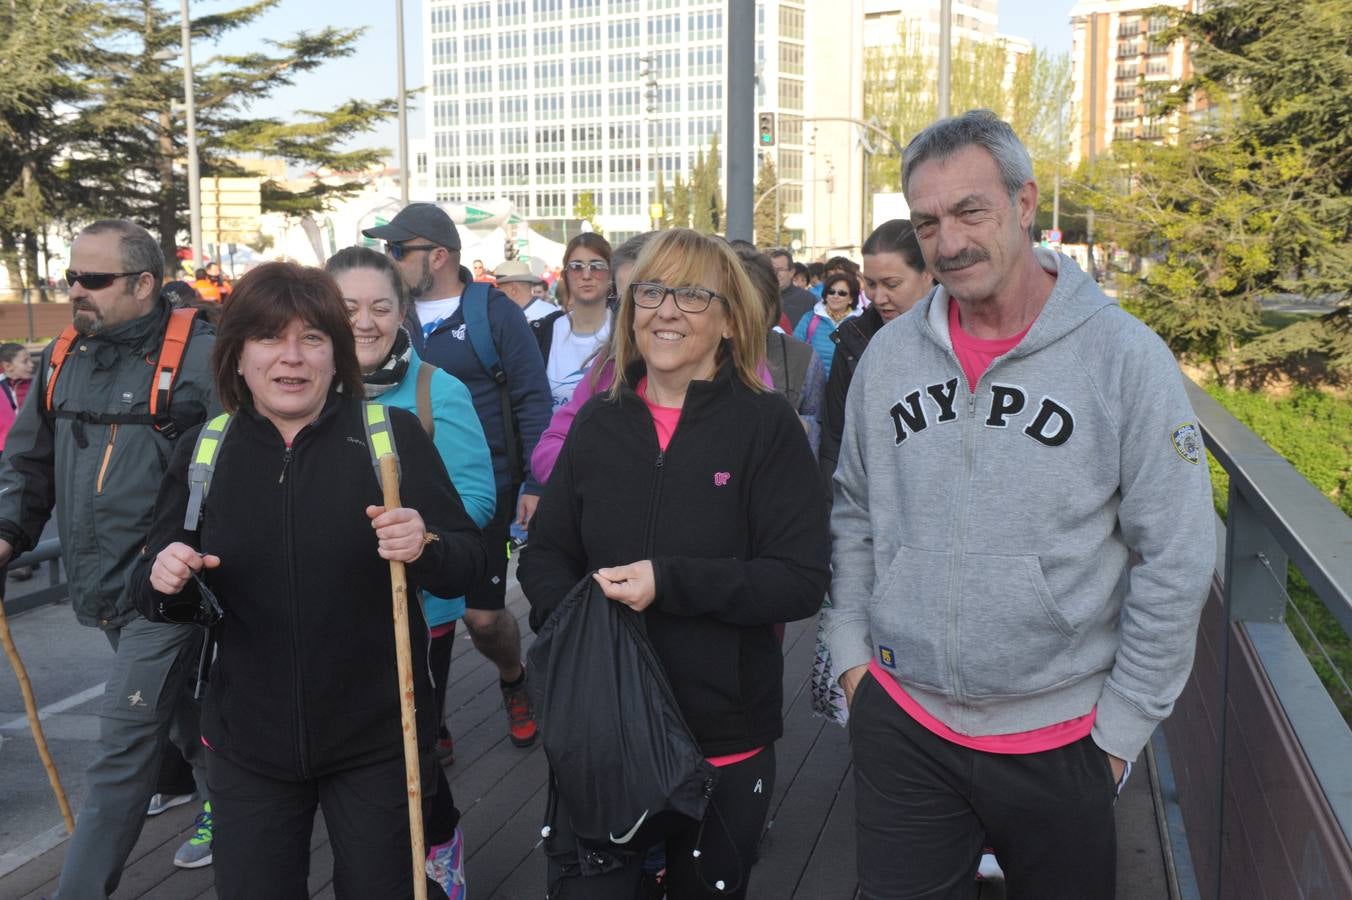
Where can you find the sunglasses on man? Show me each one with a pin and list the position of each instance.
(95, 281)
(397, 252)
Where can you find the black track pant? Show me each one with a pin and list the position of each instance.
(924, 807)
(727, 844)
(262, 827)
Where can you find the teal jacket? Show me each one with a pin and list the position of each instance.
(459, 439)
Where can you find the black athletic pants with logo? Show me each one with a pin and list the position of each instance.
(924, 807)
(727, 842)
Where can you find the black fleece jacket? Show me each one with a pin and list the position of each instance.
(735, 528)
(305, 681)
(851, 340)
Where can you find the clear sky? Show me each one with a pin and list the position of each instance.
(370, 73)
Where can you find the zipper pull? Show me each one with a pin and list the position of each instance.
(661, 455)
(286, 461)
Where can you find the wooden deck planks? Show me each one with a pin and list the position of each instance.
(500, 789)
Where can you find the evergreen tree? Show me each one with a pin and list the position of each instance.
(701, 218)
(767, 230)
(679, 203)
(121, 141)
(714, 186)
(1256, 199)
(49, 59)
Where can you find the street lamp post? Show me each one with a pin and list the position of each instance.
(194, 170)
(945, 56)
(403, 102)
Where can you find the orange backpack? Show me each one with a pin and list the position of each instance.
(176, 335)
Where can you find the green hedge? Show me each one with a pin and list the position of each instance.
(1313, 431)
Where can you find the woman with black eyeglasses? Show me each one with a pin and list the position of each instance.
(570, 337)
(840, 301)
(680, 488)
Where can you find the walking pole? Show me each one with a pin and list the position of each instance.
(34, 723)
(389, 480)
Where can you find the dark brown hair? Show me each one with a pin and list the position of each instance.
(591, 241)
(263, 304)
(851, 285)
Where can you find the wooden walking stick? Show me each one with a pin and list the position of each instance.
(34, 723)
(389, 480)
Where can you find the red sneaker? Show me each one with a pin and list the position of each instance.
(521, 726)
(444, 750)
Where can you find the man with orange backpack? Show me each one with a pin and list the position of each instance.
(113, 393)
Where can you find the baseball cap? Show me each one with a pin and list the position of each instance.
(514, 270)
(424, 220)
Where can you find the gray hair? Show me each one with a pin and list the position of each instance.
(974, 128)
(139, 251)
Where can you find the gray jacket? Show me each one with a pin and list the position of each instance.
(983, 542)
(101, 478)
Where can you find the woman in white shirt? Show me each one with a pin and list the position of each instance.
(569, 339)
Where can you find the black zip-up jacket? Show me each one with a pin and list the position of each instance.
(305, 680)
(732, 521)
(851, 339)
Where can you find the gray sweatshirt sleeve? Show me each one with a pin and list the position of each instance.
(1167, 520)
(846, 620)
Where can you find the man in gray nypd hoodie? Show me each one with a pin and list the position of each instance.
(983, 541)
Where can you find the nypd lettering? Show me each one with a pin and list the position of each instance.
(1048, 422)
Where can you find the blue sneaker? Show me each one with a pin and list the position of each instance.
(196, 850)
(446, 866)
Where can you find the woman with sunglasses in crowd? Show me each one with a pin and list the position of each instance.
(894, 280)
(568, 340)
(840, 301)
(302, 708)
(680, 487)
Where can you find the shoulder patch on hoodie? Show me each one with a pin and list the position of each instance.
(1188, 442)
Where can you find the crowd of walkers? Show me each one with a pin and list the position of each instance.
(983, 474)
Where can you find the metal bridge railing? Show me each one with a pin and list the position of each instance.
(1262, 755)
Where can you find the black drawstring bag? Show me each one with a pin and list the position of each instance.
(620, 750)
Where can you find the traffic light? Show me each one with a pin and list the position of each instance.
(767, 129)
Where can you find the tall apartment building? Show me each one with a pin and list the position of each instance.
(540, 101)
(1118, 68)
(975, 20)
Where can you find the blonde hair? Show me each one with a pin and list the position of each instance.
(681, 257)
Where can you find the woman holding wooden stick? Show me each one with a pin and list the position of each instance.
(303, 703)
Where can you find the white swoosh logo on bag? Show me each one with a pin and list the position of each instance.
(629, 835)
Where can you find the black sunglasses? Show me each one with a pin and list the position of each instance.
(206, 611)
(94, 281)
(397, 252)
(837, 293)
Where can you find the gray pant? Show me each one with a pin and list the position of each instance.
(148, 698)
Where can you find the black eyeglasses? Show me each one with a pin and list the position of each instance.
(397, 252)
(95, 281)
(596, 266)
(652, 294)
(837, 293)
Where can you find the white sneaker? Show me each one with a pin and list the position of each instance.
(162, 802)
(989, 869)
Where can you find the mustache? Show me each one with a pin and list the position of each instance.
(961, 260)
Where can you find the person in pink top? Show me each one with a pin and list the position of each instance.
(1022, 541)
(600, 376)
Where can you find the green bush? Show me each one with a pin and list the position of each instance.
(1313, 431)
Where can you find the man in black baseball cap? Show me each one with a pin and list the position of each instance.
(425, 248)
(412, 240)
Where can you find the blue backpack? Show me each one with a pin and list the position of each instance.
(474, 303)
